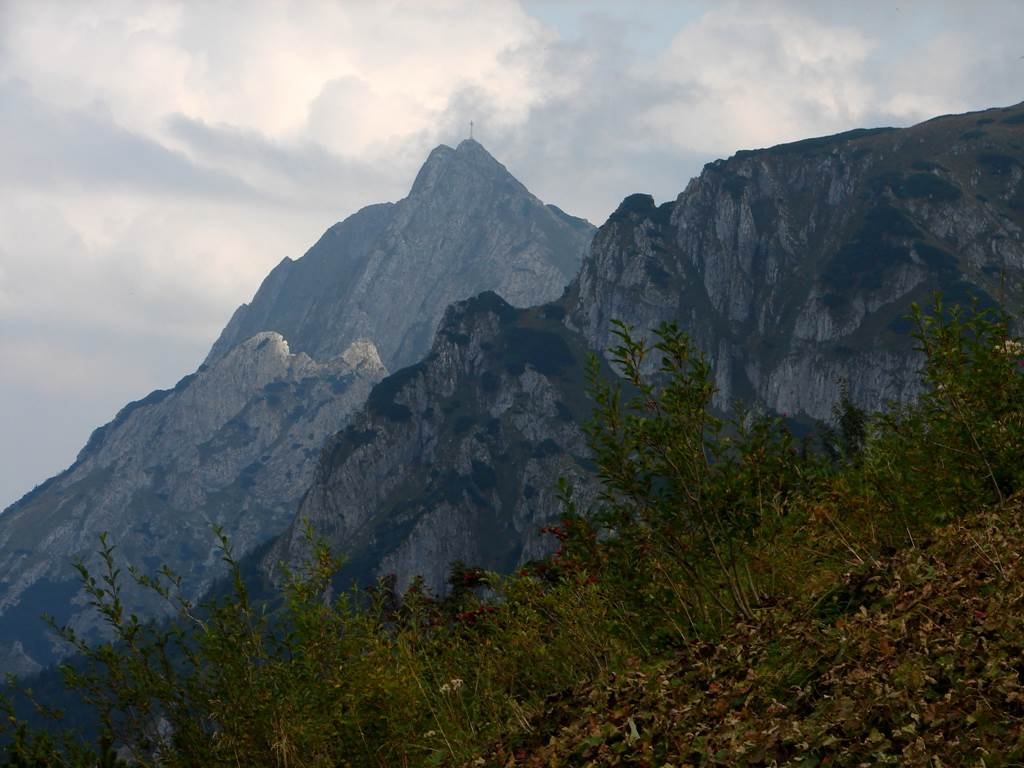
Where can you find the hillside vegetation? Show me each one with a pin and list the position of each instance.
(737, 596)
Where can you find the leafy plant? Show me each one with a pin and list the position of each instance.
(684, 491)
(733, 597)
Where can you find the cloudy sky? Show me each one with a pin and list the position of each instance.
(158, 158)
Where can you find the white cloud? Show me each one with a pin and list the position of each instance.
(760, 76)
(351, 76)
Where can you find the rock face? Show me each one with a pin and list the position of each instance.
(232, 445)
(388, 272)
(457, 457)
(792, 267)
(795, 266)
(236, 443)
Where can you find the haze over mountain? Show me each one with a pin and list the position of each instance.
(235, 443)
(792, 268)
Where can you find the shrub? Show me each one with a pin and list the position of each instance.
(706, 527)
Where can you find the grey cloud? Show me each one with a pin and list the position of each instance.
(980, 67)
(303, 173)
(225, 143)
(587, 148)
(45, 426)
(42, 146)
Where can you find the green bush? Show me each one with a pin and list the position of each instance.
(703, 525)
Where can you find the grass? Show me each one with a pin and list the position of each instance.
(923, 668)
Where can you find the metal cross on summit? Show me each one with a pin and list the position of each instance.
(470, 129)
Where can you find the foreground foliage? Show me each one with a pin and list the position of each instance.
(735, 597)
(912, 659)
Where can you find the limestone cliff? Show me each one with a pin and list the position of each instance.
(236, 443)
(457, 457)
(388, 272)
(232, 445)
(792, 267)
(795, 266)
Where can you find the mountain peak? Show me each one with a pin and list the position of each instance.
(468, 160)
(472, 145)
(467, 226)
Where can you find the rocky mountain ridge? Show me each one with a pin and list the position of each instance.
(388, 272)
(792, 268)
(230, 445)
(235, 444)
(457, 457)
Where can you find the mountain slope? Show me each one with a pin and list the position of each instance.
(457, 457)
(791, 267)
(236, 443)
(388, 272)
(230, 445)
